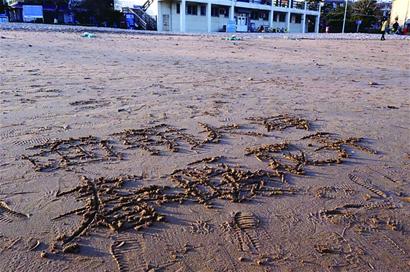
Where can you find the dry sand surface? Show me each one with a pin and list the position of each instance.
(137, 195)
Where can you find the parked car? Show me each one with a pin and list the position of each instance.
(406, 28)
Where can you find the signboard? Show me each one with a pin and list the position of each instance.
(130, 19)
(32, 12)
(231, 26)
(3, 18)
(358, 23)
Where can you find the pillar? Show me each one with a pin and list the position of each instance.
(160, 22)
(182, 16)
(317, 23)
(232, 11)
(288, 22)
(271, 15)
(304, 19)
(208, 16)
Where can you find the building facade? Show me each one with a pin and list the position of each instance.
(400, 10)
(242, 15)
(50, 12)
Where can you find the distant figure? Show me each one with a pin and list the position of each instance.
(384, 27)
(327, 29)
(396, 26)
(260, 29)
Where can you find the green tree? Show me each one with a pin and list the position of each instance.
(334, 18)
(367, 11)
(3, 6)
(97, 12)
(99, 9)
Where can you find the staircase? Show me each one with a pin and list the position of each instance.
(142, 19)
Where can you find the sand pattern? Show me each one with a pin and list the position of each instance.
(193, 153)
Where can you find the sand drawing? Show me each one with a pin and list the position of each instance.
(63, 154)
(265, 152)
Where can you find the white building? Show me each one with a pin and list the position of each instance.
(244, 15)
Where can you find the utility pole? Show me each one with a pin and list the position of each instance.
(344, 18)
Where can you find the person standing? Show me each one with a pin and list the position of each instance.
(396, 26)
(384, 27)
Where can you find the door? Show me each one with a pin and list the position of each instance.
(165, 22)
(242, 23)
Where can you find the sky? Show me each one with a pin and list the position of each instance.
(129, 3)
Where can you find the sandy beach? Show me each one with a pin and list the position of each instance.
(195, 153)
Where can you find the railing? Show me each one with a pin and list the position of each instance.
(147, 4)
(297, 4)
(140, 21)
(262, 2)
(313, 5)
(143, 20)
(281, 3)
(151, 23)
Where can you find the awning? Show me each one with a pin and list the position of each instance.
(49, 7)
(242, 10)
(17, 5)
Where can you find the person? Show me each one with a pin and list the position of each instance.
(260, 29)
(384, 28)
(395, 27)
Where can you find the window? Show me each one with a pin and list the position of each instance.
(178, 8)
(282, 17)
(215, 12)
(298, 19)
(263, 15)
(191, 9)
(224, 11)
(254, 15)
(203, 10)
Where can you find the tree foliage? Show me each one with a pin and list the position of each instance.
(334, 18)
(365, 10)
(3, 7)
(97, 12)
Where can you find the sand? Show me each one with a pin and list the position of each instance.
(348, 216)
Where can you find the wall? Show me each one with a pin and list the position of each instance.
(198, 23)
(218, 23)
(279, 25)
(296, 28)
(400, 8)
(194, 23)
(260, 22)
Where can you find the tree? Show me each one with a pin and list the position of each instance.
(367, 11)
(99, 9)
(96, 12)
(3, 6)
(334, 18)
